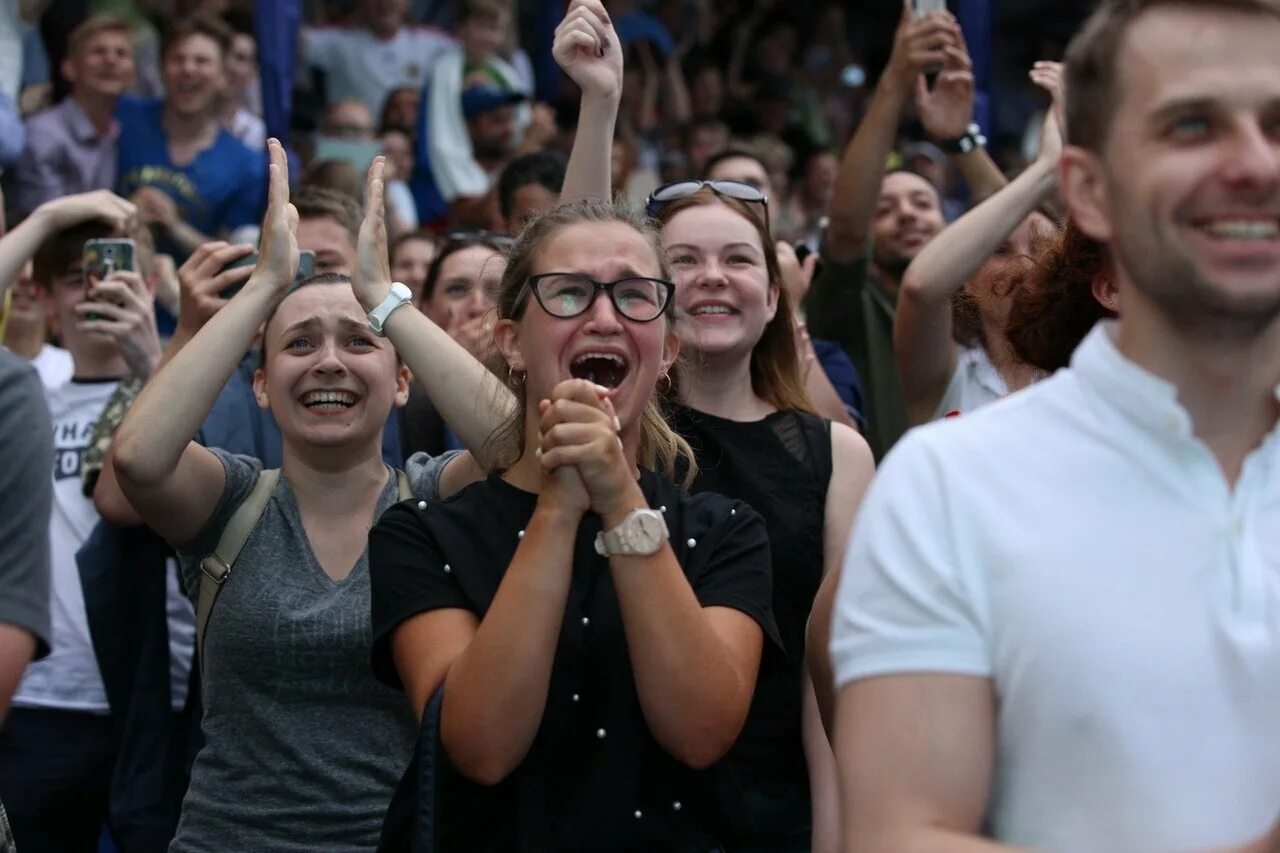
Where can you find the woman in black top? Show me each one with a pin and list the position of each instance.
(585, 697)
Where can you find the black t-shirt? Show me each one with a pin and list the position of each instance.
(781, 466)
(594, 779)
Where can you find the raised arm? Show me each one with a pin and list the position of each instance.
(19, 245)
(171, 481)
(918, 45)
(925, 349)
(588, 49)
(468, 396)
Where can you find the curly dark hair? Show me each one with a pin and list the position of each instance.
(1056, 308)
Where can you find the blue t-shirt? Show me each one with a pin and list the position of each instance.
(223, 188)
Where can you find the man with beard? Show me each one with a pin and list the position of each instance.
(878, 223)
(1058, 625)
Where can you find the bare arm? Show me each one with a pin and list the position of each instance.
(17, 647)
(918, 44)
(922, 340)
(19, 245)
(923, 344)
(171, 481)
(32, 10)
(676, 92)
(466, 394)
(589, 51)
(496, 686)
(824, 782)
(915, 754)
(852, 467)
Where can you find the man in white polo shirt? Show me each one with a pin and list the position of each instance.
(1058, 625)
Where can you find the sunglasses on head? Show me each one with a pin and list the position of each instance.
(683, 189)
(487, 238)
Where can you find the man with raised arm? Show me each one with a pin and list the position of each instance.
(878, 222)
(1058, 625)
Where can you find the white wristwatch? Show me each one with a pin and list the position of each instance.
(640, 534)
(398, 296)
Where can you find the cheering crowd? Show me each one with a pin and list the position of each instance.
(480, 475)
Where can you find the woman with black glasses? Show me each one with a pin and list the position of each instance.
(596, 630)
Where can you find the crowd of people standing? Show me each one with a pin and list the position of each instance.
(476, 479)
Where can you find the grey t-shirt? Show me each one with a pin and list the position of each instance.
(303, 746)
(26, 495)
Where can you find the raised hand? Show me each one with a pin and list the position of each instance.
(920, 44)
(1048, 76)
(371, 278)
(947, 109)
(278, 257)
(474, 333)
(582, 456)
(796, 276)
(120, 308)
(588, 49)
(203, 279)
(104, 205)
(155, 207)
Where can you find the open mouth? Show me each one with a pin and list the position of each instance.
(328, 401)
(607, 369)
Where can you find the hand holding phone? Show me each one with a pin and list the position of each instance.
(103, 257)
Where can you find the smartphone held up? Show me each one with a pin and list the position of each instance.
(306, 269)
(104, 256)
(920, 8)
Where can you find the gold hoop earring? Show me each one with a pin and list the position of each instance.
(665, 391)
(516, 379)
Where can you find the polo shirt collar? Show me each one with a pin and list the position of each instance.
(1132, 390)
(80, 126)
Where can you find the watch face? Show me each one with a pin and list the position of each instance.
(648, 533)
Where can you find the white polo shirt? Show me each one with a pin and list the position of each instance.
(1076, 544)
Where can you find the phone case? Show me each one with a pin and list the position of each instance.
(102, 257)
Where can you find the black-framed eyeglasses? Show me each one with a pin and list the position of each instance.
(569, 294)
(740, 190)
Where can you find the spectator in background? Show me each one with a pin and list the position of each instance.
(336, 176)
(26, 323)
(468, 125)
(457, 296)
(71, 148)
(378, 54)
(402, 210)
(400, 110)
(811, 197)
(706, 91)
(350, 119)
(528, 186)
(704, 138)
(879, 223)
(328, 224)
(26, 491)
(411, 256)
(241, 108)
(189, 177)
(61, 708)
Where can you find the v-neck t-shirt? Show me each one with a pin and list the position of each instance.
(594, 777)
(303, 746)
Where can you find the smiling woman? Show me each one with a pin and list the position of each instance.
(284, 654)
(596, 629)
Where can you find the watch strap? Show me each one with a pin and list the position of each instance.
(398, 295)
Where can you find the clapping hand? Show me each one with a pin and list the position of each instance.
(1048, 76)
(583, 463)
(371, 278)
(278, 258)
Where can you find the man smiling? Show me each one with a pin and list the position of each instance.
(1060, 615)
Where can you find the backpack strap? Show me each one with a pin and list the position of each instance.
(215, 568)
(402, 486)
